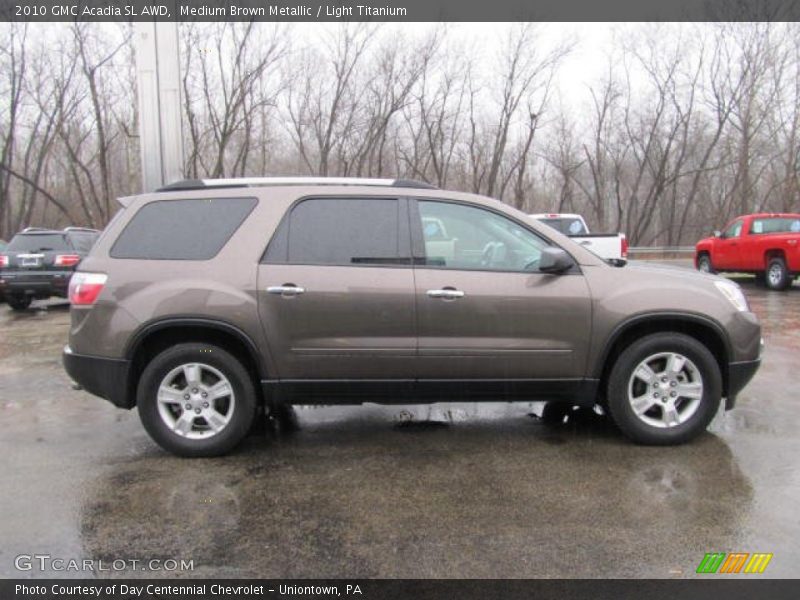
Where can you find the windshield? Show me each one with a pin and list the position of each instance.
(566, 226)
(38, 242)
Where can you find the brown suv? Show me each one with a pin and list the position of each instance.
(209, 301)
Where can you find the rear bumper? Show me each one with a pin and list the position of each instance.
(103, 377)
(39, 284)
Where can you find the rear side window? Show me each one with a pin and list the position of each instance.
(775, 225)
(83, 242)
(341, 231)
(566, 226)
(182, 229)
(38, 242)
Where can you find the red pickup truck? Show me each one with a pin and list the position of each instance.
(766, 244)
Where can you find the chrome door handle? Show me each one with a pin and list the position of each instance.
(286, 290)
(446, 294)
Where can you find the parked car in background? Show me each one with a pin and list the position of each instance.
(609, 246)
(209, 302)
(38, 263)
(764, 244)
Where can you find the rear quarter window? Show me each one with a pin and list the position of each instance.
(83, 242)
(194, 229)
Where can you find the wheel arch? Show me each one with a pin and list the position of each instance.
(771, 253)
(160, 335)
(705, 330)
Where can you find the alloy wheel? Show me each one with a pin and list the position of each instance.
(195, 401)
(665, 390)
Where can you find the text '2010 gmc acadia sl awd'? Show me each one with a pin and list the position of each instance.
(211, 300)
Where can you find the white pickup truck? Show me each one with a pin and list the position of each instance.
(609, 246)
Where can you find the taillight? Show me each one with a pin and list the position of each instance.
(67, 260)
(624, 247)
(84, 288)
(3, 260)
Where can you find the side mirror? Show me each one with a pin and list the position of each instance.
(717, 233)
(554, 260)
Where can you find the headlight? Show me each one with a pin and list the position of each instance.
(733, 293)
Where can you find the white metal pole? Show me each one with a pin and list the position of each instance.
(158, 80)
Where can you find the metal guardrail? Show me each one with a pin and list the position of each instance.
(661, 250)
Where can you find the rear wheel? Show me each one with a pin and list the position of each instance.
(704, 263)
(196, 400)
(664, 389)
(777, 274)
(19, 302)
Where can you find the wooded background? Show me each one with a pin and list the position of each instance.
(685, 126)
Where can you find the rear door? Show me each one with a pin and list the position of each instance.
(336, 291)
(484, 311)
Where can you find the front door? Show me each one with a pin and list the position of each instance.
(726, 249)
(483, 309)
(336, 291)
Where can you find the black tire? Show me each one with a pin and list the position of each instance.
(19, 302)
(704, 263)
(554, 413)
(777, 275)
(621, 410)
(243, 409)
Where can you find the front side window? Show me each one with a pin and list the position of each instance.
(456, 236)
(734, 230)
(341, 232)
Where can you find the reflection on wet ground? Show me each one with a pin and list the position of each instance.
(457, 490)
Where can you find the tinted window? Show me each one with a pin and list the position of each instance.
(83, 242)
(456, 236)
(340, 231)
(182, 229)
(566, 226)
(775, 225)
(38, 242)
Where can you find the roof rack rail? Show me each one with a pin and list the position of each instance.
(34, 229)
(87, 229)
(196, 184)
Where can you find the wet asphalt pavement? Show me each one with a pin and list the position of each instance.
(457, 490)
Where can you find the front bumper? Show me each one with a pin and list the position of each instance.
(104, 377)
(739, 375)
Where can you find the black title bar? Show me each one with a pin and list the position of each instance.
(744, 587)
(400, 10)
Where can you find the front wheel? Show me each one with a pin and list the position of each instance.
(664, 389)
(778, 275)
(196, 400)
(704, 264)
